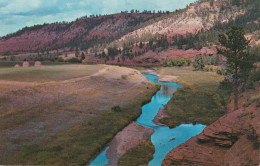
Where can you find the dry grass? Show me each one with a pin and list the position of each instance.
(193, 79)
(67, 121)
(48, 73)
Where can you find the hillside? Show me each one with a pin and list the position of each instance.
(84, 32)
(182, 34)
(189, 20)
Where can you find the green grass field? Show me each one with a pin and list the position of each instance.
(199, 101)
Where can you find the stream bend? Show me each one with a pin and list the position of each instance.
(164, 139)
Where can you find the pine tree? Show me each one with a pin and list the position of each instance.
(234, 45)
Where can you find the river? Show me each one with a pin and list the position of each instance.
(164, 139)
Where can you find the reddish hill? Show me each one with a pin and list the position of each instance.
(82, 32)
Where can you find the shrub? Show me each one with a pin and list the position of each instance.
(219, 72)
(177, 62)
(206, 68)
(199, 62)
(124, 77)
(74, 60)
(116, 108)
(60, 59)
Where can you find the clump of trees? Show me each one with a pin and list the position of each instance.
(199, 62)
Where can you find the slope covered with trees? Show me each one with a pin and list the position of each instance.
(83, 33)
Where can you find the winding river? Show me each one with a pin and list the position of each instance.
(164, 139)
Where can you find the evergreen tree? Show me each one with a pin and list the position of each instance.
(234, 48)
(199, 62)
(77, 52)
(82, 56)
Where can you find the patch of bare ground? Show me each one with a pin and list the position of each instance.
(128, 138)
(161, 114)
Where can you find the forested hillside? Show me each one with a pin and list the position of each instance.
(84, 33)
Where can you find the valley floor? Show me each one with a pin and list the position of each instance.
(62, 114)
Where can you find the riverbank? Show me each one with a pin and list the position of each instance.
(130, 137)
(201, 100)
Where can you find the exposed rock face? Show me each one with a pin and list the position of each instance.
(37, 64)
(181, 22)
(232, 140)
(26, 64)
(128, 138)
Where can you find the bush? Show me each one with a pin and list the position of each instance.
(60, 59)
(74, 60)
(177, 62)
(208, 69)
(219, 72)
(116, 108)
(199, 62)
(124, 77)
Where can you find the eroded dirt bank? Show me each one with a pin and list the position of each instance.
(128, 138)
(231, 140)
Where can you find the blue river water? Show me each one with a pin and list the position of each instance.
(164, 139)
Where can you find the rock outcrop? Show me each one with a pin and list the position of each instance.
(232, 140)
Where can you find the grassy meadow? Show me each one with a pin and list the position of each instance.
(201, 100)
(48, 73)
(61, 115)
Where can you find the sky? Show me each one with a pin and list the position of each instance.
(16, 14)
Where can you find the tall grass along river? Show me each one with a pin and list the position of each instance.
(164, 139)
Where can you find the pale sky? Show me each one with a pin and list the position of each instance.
(16, 14)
